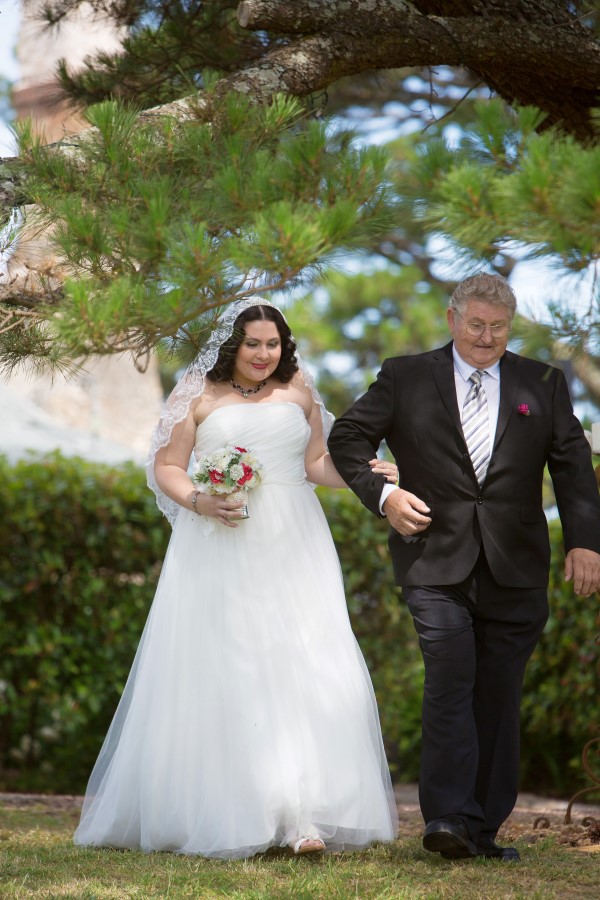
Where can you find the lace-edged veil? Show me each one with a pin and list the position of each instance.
(191, 385)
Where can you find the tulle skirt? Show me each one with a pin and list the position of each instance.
(248, 719)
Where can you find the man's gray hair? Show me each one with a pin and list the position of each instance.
(492, 289)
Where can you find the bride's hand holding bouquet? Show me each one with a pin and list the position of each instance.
(223, 478)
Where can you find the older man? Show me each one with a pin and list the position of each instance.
(472, 427)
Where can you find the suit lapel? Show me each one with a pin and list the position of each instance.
(510, 377)
(442, 368)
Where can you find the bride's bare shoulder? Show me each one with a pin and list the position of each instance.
(296, 391)
(210, 398)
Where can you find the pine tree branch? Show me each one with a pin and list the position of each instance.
(14, 317)
(535, 54)
(549, 64)
(553, 62)
(28, 289)
(521, 63)
(309, 16)
(408, 38)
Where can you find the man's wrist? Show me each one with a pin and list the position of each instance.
(386, 490)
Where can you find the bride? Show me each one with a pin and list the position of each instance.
(248, 720)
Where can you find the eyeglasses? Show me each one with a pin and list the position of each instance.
(476, 329)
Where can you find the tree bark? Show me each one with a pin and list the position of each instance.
(309, 16)
(530, 53)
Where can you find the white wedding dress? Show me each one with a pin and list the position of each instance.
(248, 719)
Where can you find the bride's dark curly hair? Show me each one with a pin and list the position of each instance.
(288, 365)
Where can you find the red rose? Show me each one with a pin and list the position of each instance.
(248, 473)
(524, 409)
(241, 449)
(215, 476)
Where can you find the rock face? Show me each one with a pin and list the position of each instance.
(110, 410)
(27, 427)
(39, 49)
(111, 401)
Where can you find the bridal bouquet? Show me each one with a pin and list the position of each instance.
(230, 470)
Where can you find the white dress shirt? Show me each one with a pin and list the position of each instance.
(490, 381)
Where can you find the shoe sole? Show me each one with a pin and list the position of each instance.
(310, 851)
(450, 846)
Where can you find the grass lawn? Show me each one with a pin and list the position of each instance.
(38, 860)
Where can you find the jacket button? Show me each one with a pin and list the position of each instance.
(480, 500)
(466, 457)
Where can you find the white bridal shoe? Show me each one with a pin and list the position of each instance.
(306, 845)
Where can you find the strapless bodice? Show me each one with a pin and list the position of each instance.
(276, 432)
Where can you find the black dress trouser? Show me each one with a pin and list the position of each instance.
(476, 638)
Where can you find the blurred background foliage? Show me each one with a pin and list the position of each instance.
(83, 546)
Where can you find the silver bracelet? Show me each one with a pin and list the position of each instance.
(194, 498)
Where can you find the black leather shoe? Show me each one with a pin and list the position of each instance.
(451, 839)
(491, 850)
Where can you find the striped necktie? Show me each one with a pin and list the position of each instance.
(476, 426)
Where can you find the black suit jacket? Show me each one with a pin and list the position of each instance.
(413, 407)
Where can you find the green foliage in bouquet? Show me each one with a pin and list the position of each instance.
(228, 470)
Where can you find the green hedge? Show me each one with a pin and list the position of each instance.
(560, 709)
(82, 546)
(561, 702)
(383, 627)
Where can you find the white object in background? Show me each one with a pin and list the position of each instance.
(593, 437)
(595, 442)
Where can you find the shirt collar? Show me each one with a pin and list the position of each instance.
(465, 369)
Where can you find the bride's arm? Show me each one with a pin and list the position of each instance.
(170, 470)
(171, 463)
(318, 464)
(317, 461)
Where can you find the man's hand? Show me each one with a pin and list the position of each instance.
(583, 566)
(406, 513)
